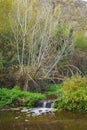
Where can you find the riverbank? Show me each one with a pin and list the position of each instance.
(15, 98)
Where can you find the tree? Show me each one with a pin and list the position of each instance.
(41, 37)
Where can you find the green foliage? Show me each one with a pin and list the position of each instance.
(60, 32)
(9, 49)
(62, 35)
(81, 40)
(8, 97)
(73, 94)
(53, 89)
(1, 61)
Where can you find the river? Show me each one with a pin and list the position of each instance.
(19, 120)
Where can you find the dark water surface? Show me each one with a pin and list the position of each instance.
(15, 120)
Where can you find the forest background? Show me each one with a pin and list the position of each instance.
(42, 41)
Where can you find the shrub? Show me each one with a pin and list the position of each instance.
(73, 94)
(22, 98)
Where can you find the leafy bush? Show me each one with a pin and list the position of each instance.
(22, 98)
(73, 94)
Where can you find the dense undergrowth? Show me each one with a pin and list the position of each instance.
(73, 95)
(17, 98)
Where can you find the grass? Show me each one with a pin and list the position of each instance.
(16, 97)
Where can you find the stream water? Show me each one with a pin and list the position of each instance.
(42, 119)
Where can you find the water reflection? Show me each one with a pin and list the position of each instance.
(32, 126)
(57, 121)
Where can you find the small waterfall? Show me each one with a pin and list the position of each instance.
(44, 104)
(52, 105)
(47, 104)
(40, 108)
